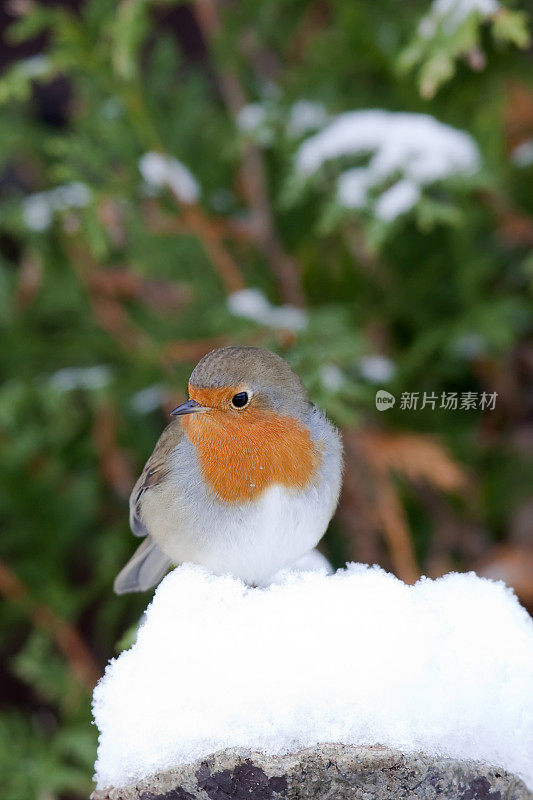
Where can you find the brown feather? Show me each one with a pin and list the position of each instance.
(155, 470)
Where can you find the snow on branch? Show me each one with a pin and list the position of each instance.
(450, 29)
(264, 121)
(357, 658)
(160, 170)
(252, 304)
(38, 209)
(405, 152)
(451, 13)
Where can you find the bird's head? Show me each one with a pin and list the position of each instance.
(247, 383)
(247, 416)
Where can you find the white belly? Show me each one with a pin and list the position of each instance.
(252, 540)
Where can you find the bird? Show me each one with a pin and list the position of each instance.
(243, 481)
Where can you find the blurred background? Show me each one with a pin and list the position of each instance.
(347, 183)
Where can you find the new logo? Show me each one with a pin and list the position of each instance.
(384, 400)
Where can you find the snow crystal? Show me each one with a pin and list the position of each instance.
(304, 116)
(160, 170)
(38, 209)
(444, 667)
(450, 14)
(252, 304)
(416, 147)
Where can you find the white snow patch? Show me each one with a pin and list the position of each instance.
(89, 378)
(148, 399)
(252, 304)
(251, 117)
(450, 14)
(414, 149)
(353, 186)
(522, 154)
(38, 209)
(304, 116)
(332, 377)
(377, 369)
(469, 345)
(160, 170)
(35, 66)
(400, 198)
(359, 657)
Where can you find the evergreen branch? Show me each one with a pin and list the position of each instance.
(253, 173)
(193, 216)
(395, 528)
(164, 224)
(106, 308)
(115, 464)
(376, 499)
(78, 656)
(222, 260)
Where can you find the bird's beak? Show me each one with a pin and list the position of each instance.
(190, 407)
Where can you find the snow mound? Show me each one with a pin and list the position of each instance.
(411, 150)
(358, 657)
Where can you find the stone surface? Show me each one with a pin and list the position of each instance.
(326, 772)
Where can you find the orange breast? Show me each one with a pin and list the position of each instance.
(242, 454)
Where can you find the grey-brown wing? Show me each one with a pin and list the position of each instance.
(155, 470)
(149, 563)
(147, 566)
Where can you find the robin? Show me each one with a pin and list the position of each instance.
(244, 481)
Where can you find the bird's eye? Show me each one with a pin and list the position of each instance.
(239, 400)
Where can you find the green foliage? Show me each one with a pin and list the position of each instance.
(444, 37)
(117, 287)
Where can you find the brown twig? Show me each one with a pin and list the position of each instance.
(314, 20)
(107, 309)
(378, 456)
(181, 352)
(166, 224)
(375, 489)
(115, 464)
(395, 528)
(123, 284)
(253, 173)
(30, 280)
(65, 636)
(208, 234)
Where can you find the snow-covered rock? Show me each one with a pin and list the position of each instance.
(444, 667)
(325, 772)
